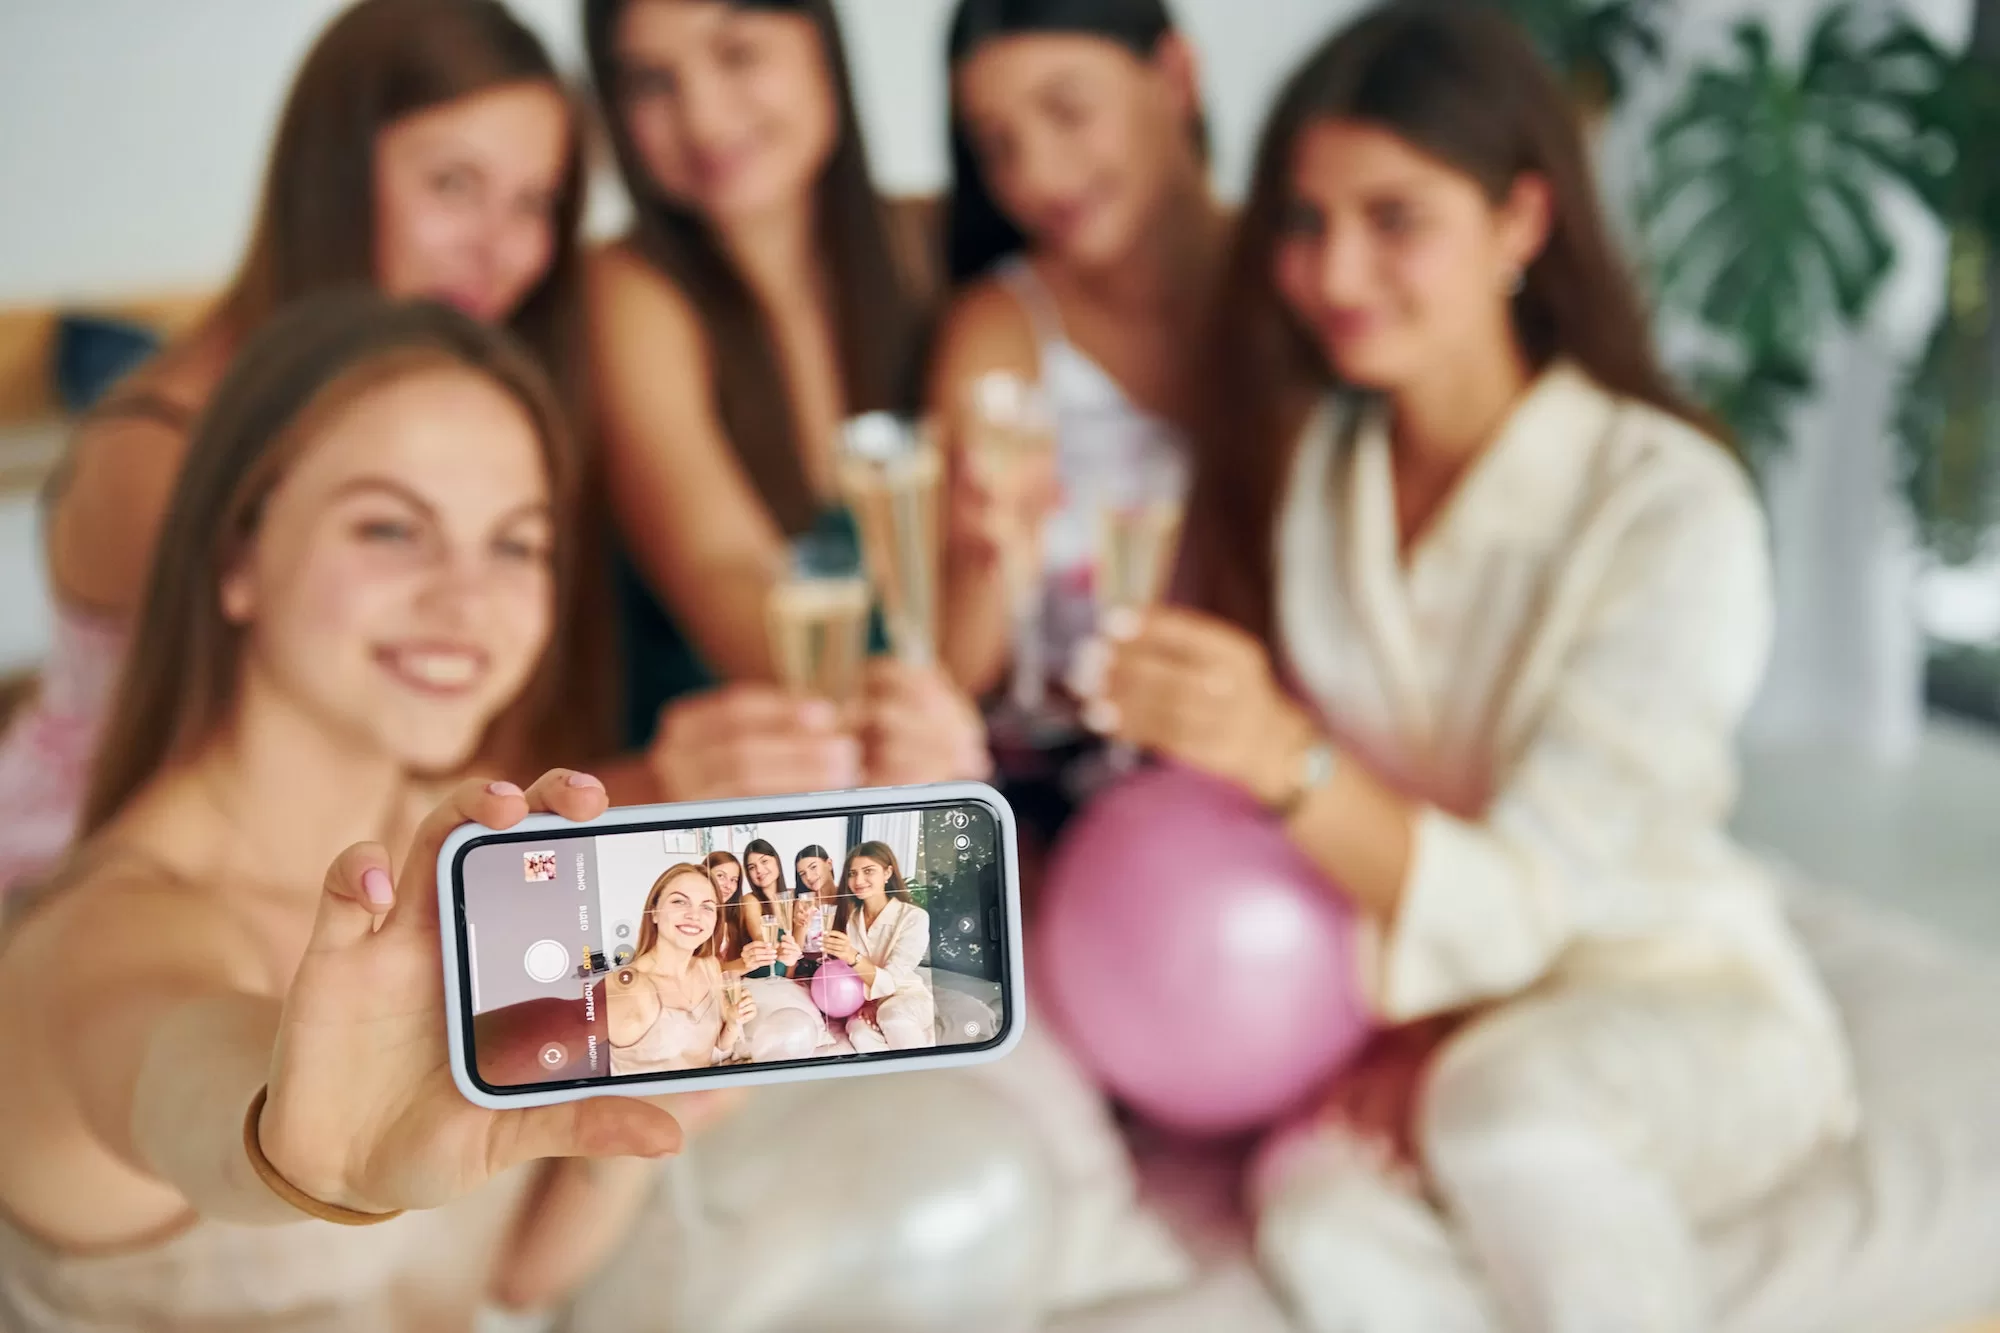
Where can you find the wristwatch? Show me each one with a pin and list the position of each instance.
(1315, 770)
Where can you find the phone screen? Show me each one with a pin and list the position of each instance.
(651, 950)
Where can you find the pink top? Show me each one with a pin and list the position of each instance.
(46, 752)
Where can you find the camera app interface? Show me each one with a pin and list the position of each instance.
(642, 953)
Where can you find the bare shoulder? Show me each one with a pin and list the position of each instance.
(131, 922)
(620, 280)
(985, 328)
(640, 316)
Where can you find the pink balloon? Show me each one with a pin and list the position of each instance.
(837, 989)
(1194, 958)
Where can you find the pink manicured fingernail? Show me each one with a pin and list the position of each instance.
(503, 789)
(584, 780)
(375, 884)
(1101, 716)
(1121, 622)
(818, 714)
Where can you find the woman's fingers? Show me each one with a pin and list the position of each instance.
(569, 793)
(359, 890)
(497, 805)
(742, 709)
(598, 1127)
(767, 765)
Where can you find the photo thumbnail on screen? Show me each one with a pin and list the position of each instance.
(644, 952)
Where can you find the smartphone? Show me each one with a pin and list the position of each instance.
(603, 958)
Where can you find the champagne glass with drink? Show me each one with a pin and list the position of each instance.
(1138, 532)
(1010, 445)
(891, 475)
(819, 633)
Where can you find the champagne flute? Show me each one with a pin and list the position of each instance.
(1138, 529)
(819, 634)
(1010, 443)
(891, 474)
(732, 1000)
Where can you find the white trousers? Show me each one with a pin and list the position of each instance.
(1574, 1139)
(905, 1021)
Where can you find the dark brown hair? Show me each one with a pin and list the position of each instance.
(850, 902)
(183, 668)
(649, 927)
(377, 63)
(977, 234)
(878, 325)
(1462, 85)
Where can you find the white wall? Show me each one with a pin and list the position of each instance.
(135, 130)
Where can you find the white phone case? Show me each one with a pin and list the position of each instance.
(1014, 990)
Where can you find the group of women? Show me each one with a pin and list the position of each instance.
(719, 974)
(1468, 596)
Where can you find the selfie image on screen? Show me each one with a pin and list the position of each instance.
(646, 952)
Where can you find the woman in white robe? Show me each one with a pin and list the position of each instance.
(1524, 599)
(885, 937)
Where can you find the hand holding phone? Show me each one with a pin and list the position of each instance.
(358, 1112)
(521, 904)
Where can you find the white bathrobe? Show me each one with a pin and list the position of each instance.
(1558, 671)
(905, 1013)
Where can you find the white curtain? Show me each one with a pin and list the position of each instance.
(900, 829)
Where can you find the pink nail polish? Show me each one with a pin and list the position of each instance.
(584, 780)
(503, 789)
(375, 884)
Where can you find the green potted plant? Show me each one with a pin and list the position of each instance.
(1596, 45)
(1762, 213)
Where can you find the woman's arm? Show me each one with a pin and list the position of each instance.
(568, 1225)
(985, 331)
(155, 1017)
(157, 1044)
(689, 516)
(1632, 758)
(107, 516)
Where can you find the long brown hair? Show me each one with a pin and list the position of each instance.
(379, 62)
(725, 929)
(977, 234)
(850, 902)
(747, 921)
(649, 927)
(184, 665)
(878, 324)
(1461, 84)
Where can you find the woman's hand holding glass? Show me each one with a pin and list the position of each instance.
(838, 945)
(742, 1009)
(361, 1111)
(752, 740)
(1197, 690)
(917, 726)
(758, 954)
(997, 507)
(789, 952)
